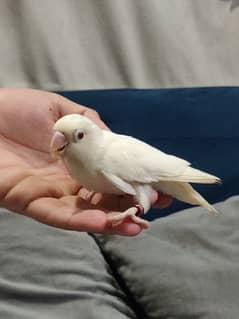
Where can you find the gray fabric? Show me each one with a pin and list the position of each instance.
(185, 266)
(53, 274)
(79, 44)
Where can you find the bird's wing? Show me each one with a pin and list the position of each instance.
(119, 183)
(132, 160)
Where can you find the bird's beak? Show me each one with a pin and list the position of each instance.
(58, 144)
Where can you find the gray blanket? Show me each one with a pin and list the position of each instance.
(185, 266)
(52, 274)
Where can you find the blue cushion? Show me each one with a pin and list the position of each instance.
(197, 124)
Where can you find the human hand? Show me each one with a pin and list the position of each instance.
(36, 185)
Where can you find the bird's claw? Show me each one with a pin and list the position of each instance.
(133, 213)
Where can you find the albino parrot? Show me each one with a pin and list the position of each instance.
(106, 162)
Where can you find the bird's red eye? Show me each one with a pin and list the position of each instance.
(80, 135)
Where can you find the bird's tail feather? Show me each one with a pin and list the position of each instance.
(192, 175)
(185, 193)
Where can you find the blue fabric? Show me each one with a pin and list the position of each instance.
(197, 124)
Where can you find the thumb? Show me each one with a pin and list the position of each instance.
(65, 106)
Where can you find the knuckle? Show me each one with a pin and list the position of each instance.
(91, 112)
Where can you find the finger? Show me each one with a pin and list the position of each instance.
(57, 213)
(66, 106)
(120, 203)
(65, 182)
(31, 188)
(108, 201)
(11, 177)
(94, 116)
(125, 229)
(163, 201)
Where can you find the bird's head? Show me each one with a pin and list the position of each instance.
(71, 131)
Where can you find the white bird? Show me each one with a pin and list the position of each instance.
(106, 162)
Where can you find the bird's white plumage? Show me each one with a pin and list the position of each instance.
(107, 162)
(120, 183)
(141, 162)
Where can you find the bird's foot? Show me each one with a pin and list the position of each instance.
(89, 196)
(133, 213)
(86, 195)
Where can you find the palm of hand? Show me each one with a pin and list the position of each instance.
(34, 184)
